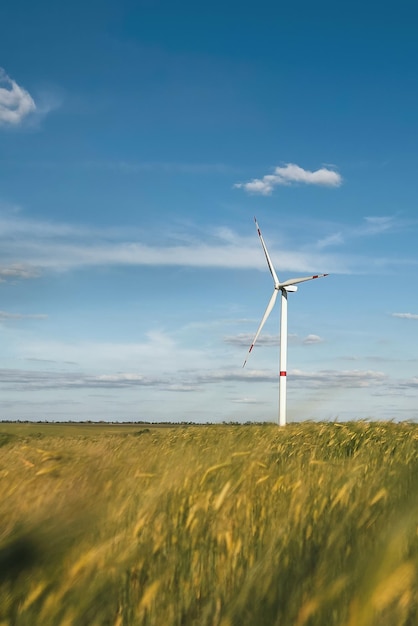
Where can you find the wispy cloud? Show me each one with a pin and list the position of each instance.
(376, 358)
(30, 248)
(5, 315)
(196, 380)
(156, 350)
(15, 102)
(377, 224)
(368, 227)
(245, 339)
(335, 239)
(291, 174)
(319, 379)
(38, 380)
(411, 383)
(336, 378)
(17, 271)
(249, 401)
(406, 316)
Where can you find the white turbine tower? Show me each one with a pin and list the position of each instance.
(284, 288)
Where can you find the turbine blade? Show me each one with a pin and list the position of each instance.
(269, 263)
(263, 321)
(295, 281)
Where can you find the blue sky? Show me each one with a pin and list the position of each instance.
(137, 142)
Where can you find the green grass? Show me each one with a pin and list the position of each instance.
(310, 525)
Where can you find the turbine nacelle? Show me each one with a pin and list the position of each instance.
(286, 287)
(291, 288)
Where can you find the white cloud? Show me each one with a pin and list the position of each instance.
(406, 316)
(15, 102)
(311, 339)
(289, 174)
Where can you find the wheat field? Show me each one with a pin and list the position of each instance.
(314, 524)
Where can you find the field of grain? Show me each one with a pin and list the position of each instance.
(308, 525)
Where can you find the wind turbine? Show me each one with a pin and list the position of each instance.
(285, 287)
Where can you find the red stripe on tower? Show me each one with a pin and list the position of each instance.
(282, 373)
